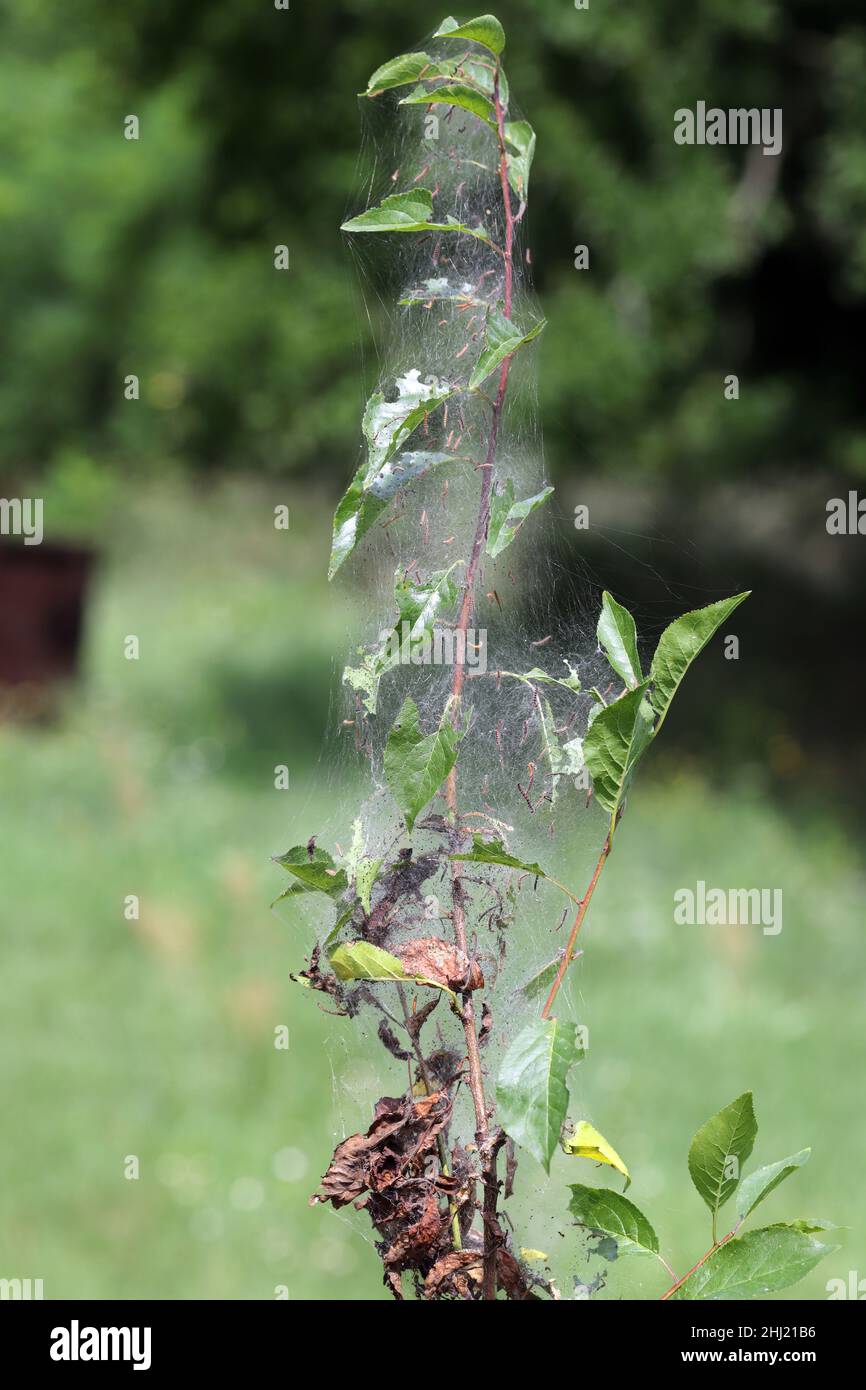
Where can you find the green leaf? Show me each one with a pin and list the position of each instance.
(615, 741)
(539, 983)
(762, 1261)
(398, 72)
(617, 634)
(416, 765)
(478, 70)
(586, 1142)
(494, 852)
(531, 1092)
(314, 869)
(401, 212)
(680, 644)
(607, 1213)
(454, 94)
(420, 67)
(728, 1135)
(502, 338)
(407, 212)
(485, 29)
(760, 1184)
(507, 516)
(521, 137)
(294, 891)
(339, 924)
(811, 1226)
(360, 960)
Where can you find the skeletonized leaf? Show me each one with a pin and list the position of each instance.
(569, 682)
(615, 741)
(762, 1261)
(369, 495)
(760, 1184)
(617, 634)
(387, 425)
(719, 1150)
(416, 764)
(521, 137)
(507, 516)
(608, 1213)
(678, 646)
(365, 877)
(564, 759)
(494, 852)
(502, 338)
(419, 602)
(454, 94)
(430, 958)
(586, 1142)
(485, 29)
(531, 1091)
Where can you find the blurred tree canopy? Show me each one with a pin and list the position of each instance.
(155, 256)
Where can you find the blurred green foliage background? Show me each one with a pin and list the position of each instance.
(156, 257)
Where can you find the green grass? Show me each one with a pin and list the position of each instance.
(155, 1038)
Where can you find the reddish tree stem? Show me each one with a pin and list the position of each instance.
(576, 925)
(717, 1245)
(487, 1151)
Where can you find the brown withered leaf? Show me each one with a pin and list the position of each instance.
(510, 1277)
(444, 1064)
(459, 1272)
(432, 958)
(409, 1248)
(314, 978)
(486, 1024)
(510, 1166)
(389, 1039)
(415, 1022)
(402, 1133)
(388, 1172)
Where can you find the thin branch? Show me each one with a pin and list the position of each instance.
(487, 1150)
(716, 1245)
(578, 922)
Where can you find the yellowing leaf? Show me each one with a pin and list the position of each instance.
(586, 1142)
